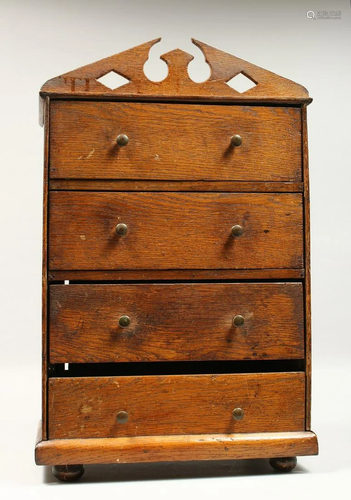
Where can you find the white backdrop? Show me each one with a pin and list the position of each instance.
(42, 39)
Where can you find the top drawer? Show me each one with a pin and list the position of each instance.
(174, 142)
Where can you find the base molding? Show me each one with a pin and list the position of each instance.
(175, 448)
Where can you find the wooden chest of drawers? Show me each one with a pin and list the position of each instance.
(176, 269)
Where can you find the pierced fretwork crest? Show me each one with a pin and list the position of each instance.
(87, 81)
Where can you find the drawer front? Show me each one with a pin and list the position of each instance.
(175, 231)
(174, 142)
(175, 404)
(171, 322)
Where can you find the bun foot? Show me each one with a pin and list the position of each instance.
(68, 473)
(284, 464)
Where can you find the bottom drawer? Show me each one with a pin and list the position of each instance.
(175, 404)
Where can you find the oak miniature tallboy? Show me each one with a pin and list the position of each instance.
(176, 266)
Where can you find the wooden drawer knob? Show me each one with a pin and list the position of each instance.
(124, 321)
(122, 140)
(236, 141)
(237, 230)
(238, 320)
(121, 229)
(122, 417)
(238, 413)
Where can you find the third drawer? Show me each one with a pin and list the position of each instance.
(176, 322)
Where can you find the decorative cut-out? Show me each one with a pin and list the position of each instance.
(155, 69)
(113, 80)
(199, 70)
(241, 83)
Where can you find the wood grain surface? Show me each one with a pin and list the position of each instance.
(175, 448)
(174, 142)
(178, 404)
(175, 231)
(171, 322)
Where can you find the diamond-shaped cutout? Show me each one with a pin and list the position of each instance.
(241, 83)
(112, 80)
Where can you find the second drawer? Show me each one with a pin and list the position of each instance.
(175, 322)
(115, 230)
